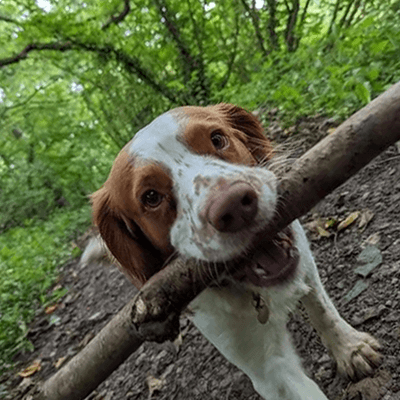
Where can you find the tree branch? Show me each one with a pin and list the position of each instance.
(287, 6)
(191, 63)
(334, 16)
(344, 16)
(188, 61)
(198, 33)
(353, 13)
(28, 98)
(156, 308)
(233, 54)
(7, 19)
(58, 46)
(254, 19)
(302, 20)
(290, 26)
(272, 23)
(131, 64)
(304, 13)
(116, 19)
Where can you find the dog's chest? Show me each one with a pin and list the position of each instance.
(235, 304)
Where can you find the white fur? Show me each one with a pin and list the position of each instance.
(95, 250)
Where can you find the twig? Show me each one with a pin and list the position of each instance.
(116, 19)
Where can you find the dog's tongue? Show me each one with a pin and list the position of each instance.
(271, 262)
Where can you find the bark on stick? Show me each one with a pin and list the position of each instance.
(109, 349)
(314, 175)
(155, 310)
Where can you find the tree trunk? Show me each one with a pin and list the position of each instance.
(290, 35)
(272, 24)
(334, 16)
(255, 19)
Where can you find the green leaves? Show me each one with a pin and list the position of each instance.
(28, 257)
(336, 76)
(363, 92)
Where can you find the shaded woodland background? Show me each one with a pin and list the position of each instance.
(79, 78)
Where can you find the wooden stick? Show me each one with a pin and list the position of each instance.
(101, 356)
(314, 175)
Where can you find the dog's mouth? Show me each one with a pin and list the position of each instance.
(271, 262)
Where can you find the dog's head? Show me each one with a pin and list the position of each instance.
(192, 181)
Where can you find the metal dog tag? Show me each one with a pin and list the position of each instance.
(261, 307)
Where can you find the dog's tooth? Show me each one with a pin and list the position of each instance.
(259, 271)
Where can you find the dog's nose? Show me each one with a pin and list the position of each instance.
(232, 207)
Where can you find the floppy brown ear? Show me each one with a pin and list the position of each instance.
(137, 257)
(242, 120)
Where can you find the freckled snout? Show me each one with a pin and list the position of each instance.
(232, 207)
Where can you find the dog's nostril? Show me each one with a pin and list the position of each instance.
(247, 200)
(227, 219)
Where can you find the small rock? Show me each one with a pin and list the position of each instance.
(370, 258)
(357, 289)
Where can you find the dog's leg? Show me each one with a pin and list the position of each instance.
(263, 352)
(356, 353)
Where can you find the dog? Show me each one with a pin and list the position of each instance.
(195, 183)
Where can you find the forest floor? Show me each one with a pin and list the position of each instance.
(191, 368)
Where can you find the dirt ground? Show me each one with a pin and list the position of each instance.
(193, 369)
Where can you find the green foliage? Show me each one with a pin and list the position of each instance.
(29, 256)
(336, 76)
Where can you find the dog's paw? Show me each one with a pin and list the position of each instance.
(358, 355)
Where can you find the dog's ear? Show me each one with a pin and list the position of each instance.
(246, 122)
(138, 259)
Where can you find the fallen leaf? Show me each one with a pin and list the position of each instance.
(357, 289)
(373, 312)
(57, 287)
(25, 384)
(322, 232)
(330, 222)
(154, 384)
(55, 320)
(60, 362)
(348, 221)
(366, 217)
(88, 337)
(369, 259)
(372, 240)
(51, 309)
(369, 388)
(178, 341)
(32, 369)
(319, 227)
(398, 146)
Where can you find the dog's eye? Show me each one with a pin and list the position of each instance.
(152, 198)
(218, 140)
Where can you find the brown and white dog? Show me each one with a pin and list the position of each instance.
(194, 183)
